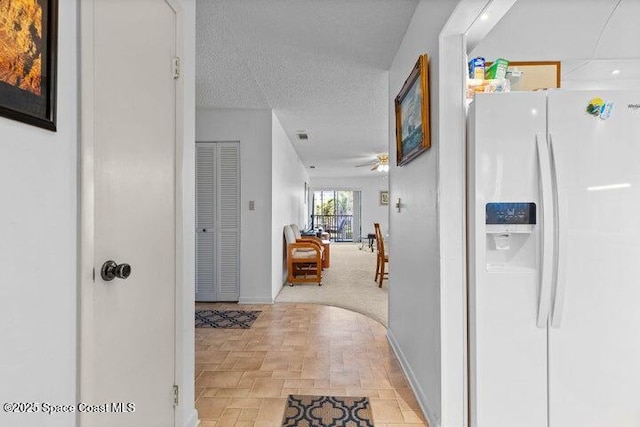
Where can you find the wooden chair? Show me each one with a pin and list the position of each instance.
(304, 260)
(382, 258)
(324, 245)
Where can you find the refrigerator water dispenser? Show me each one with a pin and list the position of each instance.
(510, 236)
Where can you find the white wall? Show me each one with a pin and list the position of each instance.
(186, 414)
(414, 267)
(38, 249)
(372, 210)
(288, 178)
(253, 129)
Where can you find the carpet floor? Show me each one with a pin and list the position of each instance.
(348, 283)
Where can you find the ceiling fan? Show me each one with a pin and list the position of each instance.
(380, 163)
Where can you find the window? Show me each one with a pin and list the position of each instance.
(338, 213)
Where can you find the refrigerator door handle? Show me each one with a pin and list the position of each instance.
(546, 267)
(560, 239)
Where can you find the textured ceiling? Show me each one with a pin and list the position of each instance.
(320, 64)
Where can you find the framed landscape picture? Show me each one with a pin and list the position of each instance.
(384, 197)
(412, 114)
(28, 44)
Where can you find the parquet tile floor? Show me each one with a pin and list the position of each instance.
(243, 376)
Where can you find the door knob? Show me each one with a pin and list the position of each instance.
(110, 270)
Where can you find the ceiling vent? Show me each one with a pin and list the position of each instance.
(302, 136)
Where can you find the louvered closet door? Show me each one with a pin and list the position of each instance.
(205, 221)
(228, 236)
(217, 221)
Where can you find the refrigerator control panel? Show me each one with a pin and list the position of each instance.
(510, 217)
(513, 213)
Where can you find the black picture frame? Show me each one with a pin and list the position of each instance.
(28, 94)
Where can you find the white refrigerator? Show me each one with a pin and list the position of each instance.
(553, 213)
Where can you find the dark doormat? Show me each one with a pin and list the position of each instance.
(327, 411)
(228, 319)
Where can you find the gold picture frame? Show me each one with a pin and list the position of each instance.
(413, 135)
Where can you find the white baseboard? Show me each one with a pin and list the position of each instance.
(413, 382)
(193, 420)
(255, 300)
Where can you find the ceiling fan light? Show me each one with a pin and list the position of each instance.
(380, 168)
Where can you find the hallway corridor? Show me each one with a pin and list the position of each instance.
(243, 376)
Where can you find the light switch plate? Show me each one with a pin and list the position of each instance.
(252, 205)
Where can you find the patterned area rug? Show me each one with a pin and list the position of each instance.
(327, 411)
(236, 319)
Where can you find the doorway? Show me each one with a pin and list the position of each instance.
(338, 212)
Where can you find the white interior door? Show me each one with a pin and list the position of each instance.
(206, 173)
(217, 221)
(128, 325)
(594, 341)
(228, 257)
